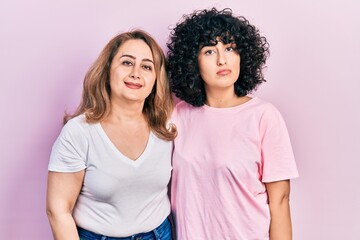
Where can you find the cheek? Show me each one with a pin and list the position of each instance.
(117, 74)
(151, 78)
(150, 82)
(114, 80)
(203, 68)
(238, 60)
(149, 88)
(236, 64)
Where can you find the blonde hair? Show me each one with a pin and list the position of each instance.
(158, 106)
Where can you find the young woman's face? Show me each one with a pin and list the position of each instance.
(219, 66)
(132, 72)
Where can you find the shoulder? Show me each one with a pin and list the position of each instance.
(69, 152)
(269, 115)
(76, 127)
(262, 104)
(265, 109)
(78, 121)
(74, 135)
(182, 108)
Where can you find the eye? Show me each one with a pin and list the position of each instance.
(147, 67)
(229, 49)
(127, 63)
(209, 52)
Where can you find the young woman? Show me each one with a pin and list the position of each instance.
(110, 166)
(232, 159)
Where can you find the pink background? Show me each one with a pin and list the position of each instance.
(313, 78)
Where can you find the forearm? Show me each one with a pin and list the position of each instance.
(63, 226)
(280, 225)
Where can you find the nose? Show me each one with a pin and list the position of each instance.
(135, 72)
(221, 58)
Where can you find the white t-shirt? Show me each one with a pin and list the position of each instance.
(222, 158)
(119, 197)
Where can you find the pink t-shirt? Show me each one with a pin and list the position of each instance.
(222, 158)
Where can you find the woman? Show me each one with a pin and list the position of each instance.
(110, 166)
(232, 159)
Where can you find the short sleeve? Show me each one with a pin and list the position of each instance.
(69, 150)
(278, 162)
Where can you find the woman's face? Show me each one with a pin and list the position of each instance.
(132, 72)
(219, 66)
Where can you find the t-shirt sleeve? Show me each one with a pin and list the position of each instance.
(276, 151)
(69, 150)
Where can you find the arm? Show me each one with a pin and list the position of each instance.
(62, 192)
(280, 224)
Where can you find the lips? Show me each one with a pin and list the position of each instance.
(133, 85)
(223, 72)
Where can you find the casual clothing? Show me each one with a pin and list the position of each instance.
(162, 232)
(222, 158)
(120, 197)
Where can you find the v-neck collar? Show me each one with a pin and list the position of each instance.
(122, 156)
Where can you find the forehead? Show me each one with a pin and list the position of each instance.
(213, 41)
(137, 48)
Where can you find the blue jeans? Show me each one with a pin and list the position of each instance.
(162, 232)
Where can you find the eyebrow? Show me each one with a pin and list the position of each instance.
(132, 57)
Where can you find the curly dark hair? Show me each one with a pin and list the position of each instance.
(205, 28)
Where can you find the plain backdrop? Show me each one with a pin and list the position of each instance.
(313, 78)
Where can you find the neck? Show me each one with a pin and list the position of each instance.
(224, 98)
(126, 112)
